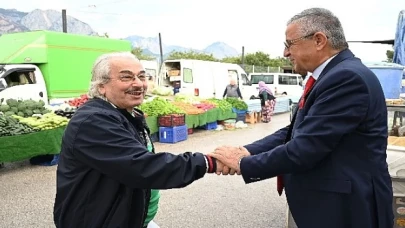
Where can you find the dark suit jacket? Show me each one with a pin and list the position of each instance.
(334, 167)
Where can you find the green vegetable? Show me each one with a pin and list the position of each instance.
(236, 103)
(159, 107)
(221, 104)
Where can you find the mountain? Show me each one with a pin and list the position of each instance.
(150, 45)
(12, 20)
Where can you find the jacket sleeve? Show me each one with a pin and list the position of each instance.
(341, 104)
(268, 143)
(103, 143)
(239, 93)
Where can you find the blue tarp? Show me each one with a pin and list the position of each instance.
(399, 45)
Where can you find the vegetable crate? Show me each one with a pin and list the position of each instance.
(172, 120)
(241, 117)
(211, 126)
(238, 111)
(173, 134)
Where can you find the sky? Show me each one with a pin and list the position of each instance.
(258, 25)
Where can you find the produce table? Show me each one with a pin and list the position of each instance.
(22, 147)
(152, 123)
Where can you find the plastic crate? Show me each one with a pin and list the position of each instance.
(241, 117)
(211, 126)
(172, 120)
(238, 111)
(173, 134)
(190, 131)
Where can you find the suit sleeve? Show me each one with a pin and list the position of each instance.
(103, 143)
(268, 143)
(340, 105)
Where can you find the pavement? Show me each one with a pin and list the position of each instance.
(27, 192)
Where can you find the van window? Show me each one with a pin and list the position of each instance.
(187, 75)
(245, 80)
(256, 78)
(287, 80)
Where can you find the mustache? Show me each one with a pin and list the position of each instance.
(135, 89)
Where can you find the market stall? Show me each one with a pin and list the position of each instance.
(31, 130)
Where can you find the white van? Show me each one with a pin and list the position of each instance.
(205, 79)
(279, 83)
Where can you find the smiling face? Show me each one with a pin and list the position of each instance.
(128, 83)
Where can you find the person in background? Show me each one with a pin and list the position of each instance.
(267, 100)
(108, 165)
(232, 90)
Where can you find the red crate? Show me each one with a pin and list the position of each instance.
(190, 131)
(172, 120)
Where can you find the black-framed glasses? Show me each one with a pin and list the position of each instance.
(289, 43)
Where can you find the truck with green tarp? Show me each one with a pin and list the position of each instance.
(50, 66)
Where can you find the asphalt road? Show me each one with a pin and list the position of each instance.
(27, 192)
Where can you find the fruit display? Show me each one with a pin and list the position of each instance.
(45, 122)
(205, 106)
(221, 104)
(236, 103)
(159, 107)
(77, 102)
(11, 127)
(188, 108)
(23, 108)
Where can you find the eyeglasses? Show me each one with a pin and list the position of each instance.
(131, 78)
(289, 43)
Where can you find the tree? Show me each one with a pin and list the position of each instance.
(235, 60)
(258, 59)
(191, 55)
(390, 55)
(138, 52)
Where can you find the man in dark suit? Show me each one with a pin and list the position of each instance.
(332, 158)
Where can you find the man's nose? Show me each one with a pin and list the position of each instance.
(286, 52)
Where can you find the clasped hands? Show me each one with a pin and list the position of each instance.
(228, 158)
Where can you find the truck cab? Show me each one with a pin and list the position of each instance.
(22, 81)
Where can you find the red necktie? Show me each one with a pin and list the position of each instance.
(308, 86)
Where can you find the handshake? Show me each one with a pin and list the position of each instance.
(228, 159)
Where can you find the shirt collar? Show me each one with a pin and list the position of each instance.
(320, 68)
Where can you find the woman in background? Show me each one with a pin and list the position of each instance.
(268, 101)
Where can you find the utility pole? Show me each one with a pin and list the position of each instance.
(243, 57)
(64, 21)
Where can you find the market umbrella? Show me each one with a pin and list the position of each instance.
(399, 44)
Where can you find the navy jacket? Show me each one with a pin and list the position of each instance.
(334, 167)
(105, 171)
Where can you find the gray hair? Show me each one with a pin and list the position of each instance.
(101, 71)
(321, 20)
